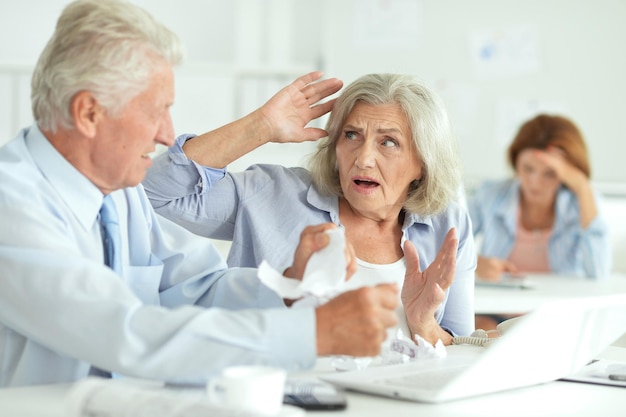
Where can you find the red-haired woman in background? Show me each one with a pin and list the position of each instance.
(546, 219)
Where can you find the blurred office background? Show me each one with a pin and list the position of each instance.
(494, 62)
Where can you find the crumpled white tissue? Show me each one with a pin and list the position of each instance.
(350, 363)
(324, 276)
(427, 350)
(401, 349)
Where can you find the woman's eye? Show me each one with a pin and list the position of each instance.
(550, 175)
(350, 135)
(388, 143)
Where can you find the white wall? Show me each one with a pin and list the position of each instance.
(553, 55)
(496, 62)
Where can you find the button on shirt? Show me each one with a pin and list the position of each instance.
(62, 310)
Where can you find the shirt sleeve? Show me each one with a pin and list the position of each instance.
(173, 175)
(458, 318)
(577, 251)
(66, 309)
(178, 189)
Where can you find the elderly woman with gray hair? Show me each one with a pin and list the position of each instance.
(388, 173)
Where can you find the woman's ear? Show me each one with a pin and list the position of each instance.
(86, 112)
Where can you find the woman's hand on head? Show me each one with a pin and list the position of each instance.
(568, 174)
(290, 110)
(574, 179)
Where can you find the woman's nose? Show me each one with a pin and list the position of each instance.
(366, 157)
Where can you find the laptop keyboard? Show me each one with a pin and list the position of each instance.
(432, 379)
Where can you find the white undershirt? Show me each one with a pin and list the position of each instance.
(368, 274)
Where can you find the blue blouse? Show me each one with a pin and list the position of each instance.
(572, 250)
(264, 209)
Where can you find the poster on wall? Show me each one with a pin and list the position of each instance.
(506, 52)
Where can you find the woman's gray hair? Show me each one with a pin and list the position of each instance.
(432, 137)
(107, 47)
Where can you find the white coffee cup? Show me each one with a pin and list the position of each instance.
(249, 388)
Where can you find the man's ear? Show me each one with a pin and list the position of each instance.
(86, 112)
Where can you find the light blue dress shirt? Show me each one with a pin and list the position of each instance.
(572, 250)
(169, 317)
(264, 209)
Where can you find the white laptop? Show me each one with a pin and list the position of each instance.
(553, 341)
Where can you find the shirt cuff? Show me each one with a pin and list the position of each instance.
(208, 175)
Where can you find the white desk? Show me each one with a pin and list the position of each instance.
(543, 288)
(553, 399)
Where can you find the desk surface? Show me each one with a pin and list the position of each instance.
(542, 288)
(553, 399)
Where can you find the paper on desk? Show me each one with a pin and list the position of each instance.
(402, 349)
(324, 275)
(597, 372)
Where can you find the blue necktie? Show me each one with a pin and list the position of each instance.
(111, 235)
(110, 229)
